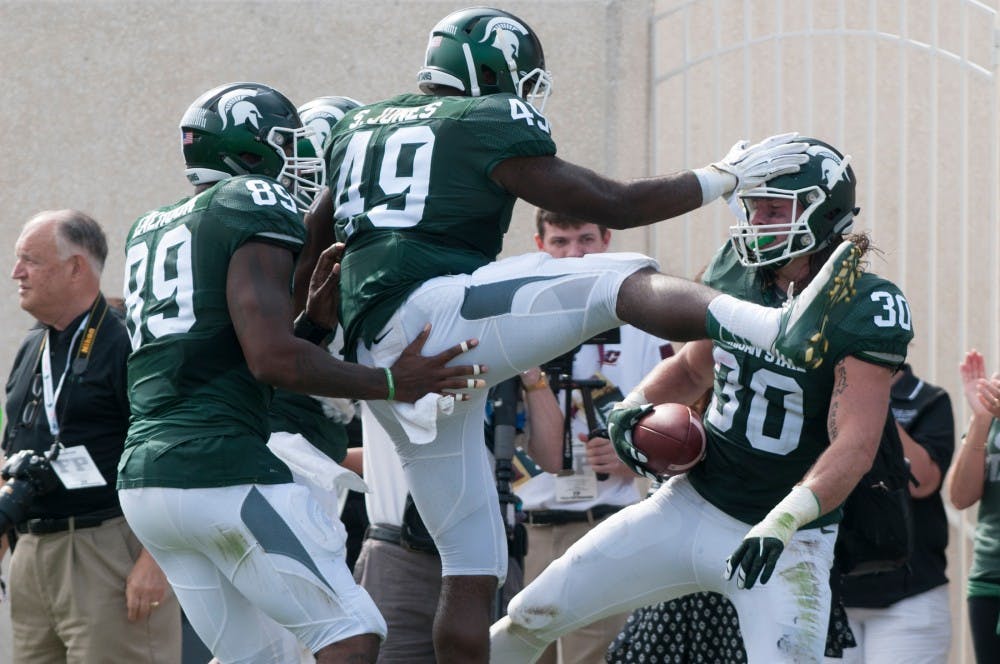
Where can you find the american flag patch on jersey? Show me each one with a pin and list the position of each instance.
(187, 137)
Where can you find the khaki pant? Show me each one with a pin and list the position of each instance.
(67, 601)
(588, 644)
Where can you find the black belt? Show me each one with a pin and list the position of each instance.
(558, 517)
(385, 532)
(48, 526)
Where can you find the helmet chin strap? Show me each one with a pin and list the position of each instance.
(470, 64)
(238, 170)
(512, 70)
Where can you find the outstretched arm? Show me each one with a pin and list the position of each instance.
(559, 186)
(553, 184)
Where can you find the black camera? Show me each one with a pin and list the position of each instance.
(563, 365)
(27, 474)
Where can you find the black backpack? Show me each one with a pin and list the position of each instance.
(876, 534)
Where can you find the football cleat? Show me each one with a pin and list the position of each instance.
(802, 330)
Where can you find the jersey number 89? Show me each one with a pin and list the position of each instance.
(171, 284)
(168, 306)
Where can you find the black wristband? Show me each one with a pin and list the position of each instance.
(305, 328)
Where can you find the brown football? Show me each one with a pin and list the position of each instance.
(671, 437)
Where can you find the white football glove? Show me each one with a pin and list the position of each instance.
(752, 165)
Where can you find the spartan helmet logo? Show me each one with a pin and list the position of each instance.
(832, 168)
(322, 124)
(235, 103)
(503, 31)
(322, 127)
(321, 130)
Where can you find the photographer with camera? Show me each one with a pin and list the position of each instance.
(82, 588)
(587, 483)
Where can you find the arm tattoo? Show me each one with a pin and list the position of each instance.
(839, 387)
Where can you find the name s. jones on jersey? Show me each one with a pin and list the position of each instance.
(394, 114)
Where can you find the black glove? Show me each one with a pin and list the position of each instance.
(755, 556)
(621, 420)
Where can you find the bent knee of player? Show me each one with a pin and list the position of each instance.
(530, 610)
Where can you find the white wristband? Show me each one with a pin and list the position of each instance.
(714, 183)
(795, 510)
(635, 399)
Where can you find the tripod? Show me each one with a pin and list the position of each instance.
(566, 383)
(504, 397)
(560, 374)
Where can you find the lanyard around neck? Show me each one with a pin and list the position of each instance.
(50, 395)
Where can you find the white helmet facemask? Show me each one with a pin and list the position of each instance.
(302, 175)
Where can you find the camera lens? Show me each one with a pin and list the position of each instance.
(15, 497)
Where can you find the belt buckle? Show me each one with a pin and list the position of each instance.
(541, 520)
(38, 527)
(63, 524)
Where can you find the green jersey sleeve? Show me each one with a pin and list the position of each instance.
(876, 326)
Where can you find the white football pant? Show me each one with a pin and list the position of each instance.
(672, 544)
(524, 310)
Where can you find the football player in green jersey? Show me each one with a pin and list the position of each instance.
(421, 189)
(294, 414)
(786, 444)
(209, 313)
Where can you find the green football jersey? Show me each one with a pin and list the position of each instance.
(767, 422)
(413, 198)
(199, 417)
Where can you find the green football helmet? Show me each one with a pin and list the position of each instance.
(822, 195)
(320, 115)
(249, 128)
(470, 47)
